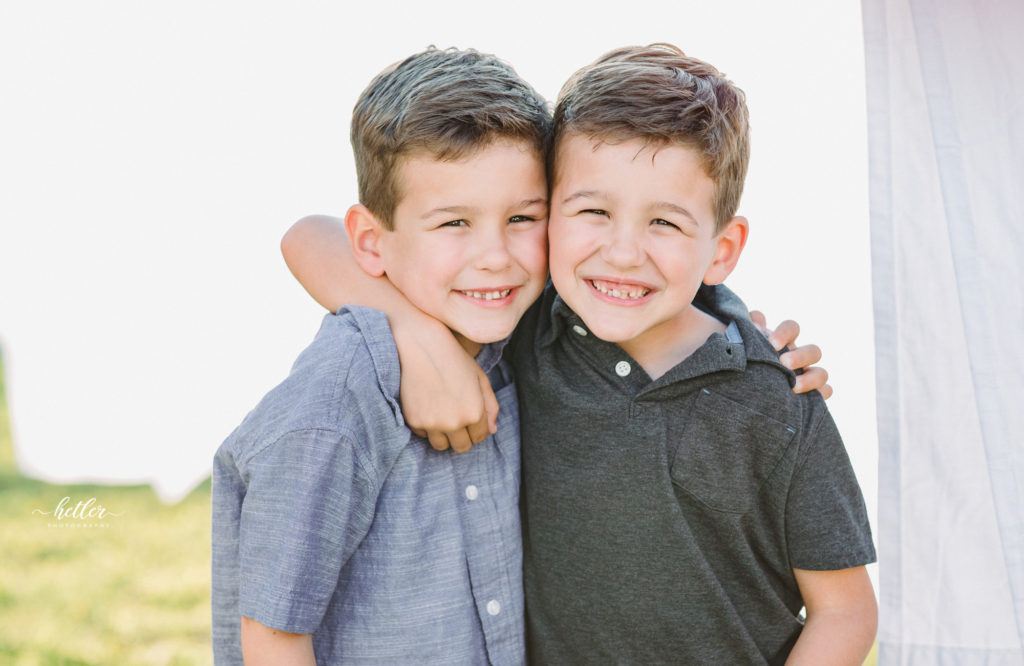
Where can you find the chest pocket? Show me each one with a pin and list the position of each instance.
(726, 453)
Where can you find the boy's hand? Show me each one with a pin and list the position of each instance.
(800, 358)
(445, 395)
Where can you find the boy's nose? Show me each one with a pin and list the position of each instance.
(623, 249)
(493, 254)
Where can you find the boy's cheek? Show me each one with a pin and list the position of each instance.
(534, 250)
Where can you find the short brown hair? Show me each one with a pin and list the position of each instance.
(445, 103)
(659, 94)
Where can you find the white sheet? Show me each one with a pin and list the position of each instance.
(945, 84)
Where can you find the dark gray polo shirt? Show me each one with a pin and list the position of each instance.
(662, 519)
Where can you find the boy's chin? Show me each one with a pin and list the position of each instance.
(479, 338)
(615, 332)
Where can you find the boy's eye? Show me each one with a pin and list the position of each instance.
(664, 223)
(456, 223)
(595, 211)
(521, 218)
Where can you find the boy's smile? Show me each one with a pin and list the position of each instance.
(632, 238)
(469, 244)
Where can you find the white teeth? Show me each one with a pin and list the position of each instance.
(633, 293)
(488, 295)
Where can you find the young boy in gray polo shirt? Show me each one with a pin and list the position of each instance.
(338, 535)
(682, 504)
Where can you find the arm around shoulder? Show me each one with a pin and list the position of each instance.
(445, 395)
(842, 617)
(317, 252)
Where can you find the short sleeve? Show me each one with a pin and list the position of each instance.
(827, 525)
(308, 506)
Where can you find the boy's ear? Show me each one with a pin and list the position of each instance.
(364, 236)
(730, 245)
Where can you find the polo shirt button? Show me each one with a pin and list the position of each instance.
(472, 492)
(622, 368)
(579, 329)
(493, 607)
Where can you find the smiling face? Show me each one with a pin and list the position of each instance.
(632, 234)
(469, 240)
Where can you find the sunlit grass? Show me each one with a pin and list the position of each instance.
(130, 589)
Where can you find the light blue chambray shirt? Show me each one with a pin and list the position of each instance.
(331, 518)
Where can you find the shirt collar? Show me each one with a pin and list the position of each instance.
(490, 354)
(373, 325)
(562, 317)
(720, 302)
(742, 342)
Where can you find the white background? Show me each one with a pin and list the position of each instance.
(152, 155)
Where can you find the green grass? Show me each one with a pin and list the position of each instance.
(135, 589)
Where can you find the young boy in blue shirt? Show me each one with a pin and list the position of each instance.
(338, 535)
(681, 503)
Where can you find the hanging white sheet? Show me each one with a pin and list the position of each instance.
(945, 89)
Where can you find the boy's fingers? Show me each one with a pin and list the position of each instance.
(438, 440)
(757, 317)
(784, 335)
(460, 440)
(813, 379)
(491, 406)
(478, 431)
(801, 358)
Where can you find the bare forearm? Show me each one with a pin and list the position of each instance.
(842, 617)
(834, 638)
(263, 646)
(318, 253)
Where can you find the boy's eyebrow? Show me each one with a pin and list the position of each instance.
(581, 194)
(675, 208)
(663, 205)
(456, 210)
(465, 210)
(526, 203)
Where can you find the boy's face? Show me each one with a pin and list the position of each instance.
(632, 236)
(469, 245)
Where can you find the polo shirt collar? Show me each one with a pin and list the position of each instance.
(562, 318)
(741, 343)
(720, 302)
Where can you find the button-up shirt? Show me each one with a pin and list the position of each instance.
(331, 518)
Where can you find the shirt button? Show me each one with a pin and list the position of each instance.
(472, 492)
(579, 329)
(622, 368)
(493, 607)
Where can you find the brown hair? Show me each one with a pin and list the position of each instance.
(445, 103)
(659, 94)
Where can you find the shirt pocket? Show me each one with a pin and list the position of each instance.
(726, 453)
